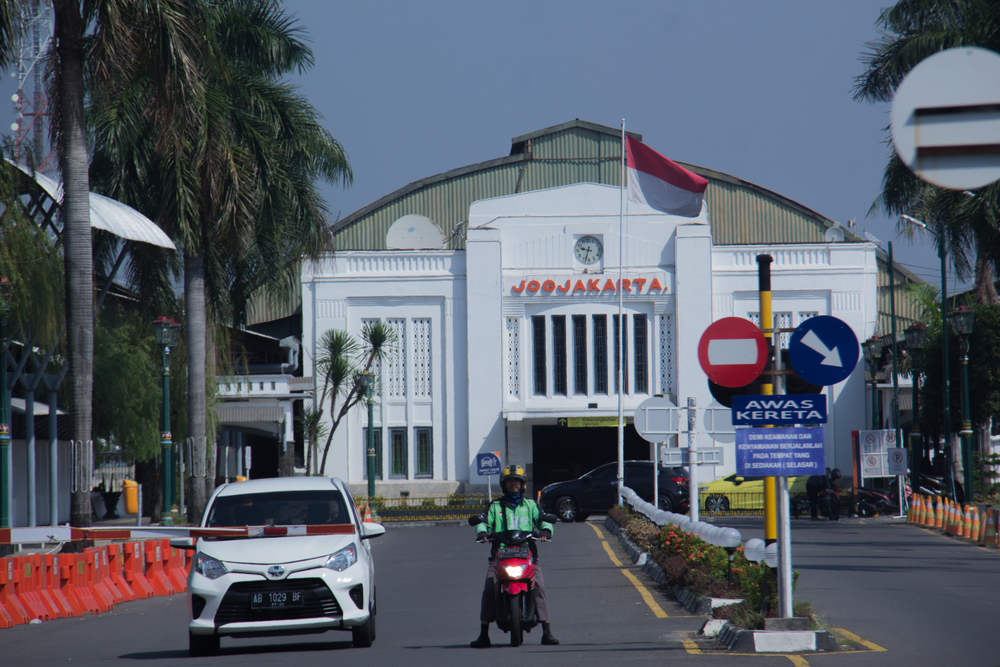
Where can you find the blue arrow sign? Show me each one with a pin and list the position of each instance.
(823, 350)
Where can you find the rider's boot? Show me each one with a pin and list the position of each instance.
(547, 637)
(483, 641)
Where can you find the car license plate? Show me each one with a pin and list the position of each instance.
(513, 552)
(276, 599)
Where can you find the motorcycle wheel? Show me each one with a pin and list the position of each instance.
(515, 620)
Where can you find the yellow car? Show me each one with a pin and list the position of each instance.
(737, 494)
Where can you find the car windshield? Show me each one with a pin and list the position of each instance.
(280, 508)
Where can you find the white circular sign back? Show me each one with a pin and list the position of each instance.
(946, 118)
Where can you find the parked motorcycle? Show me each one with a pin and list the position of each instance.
(829, 503)
(514, 578)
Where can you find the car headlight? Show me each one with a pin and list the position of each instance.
(343, 559)
(514, 571)
(209, 567)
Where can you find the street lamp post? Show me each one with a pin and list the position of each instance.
(366, 381)
(6, 288)
(873, 351)
(962, 320)
(916, 339)
(166, 337)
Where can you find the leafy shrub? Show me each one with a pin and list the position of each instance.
(619, 516)
(642, 533)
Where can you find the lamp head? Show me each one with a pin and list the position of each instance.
(916, 337)
(962, 320)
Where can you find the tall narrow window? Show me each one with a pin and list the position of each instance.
(666, 354)
(422, 357)
(538, 326)
(377, 438)
(425, 453)
(641, 354)
(579, 354)
(621, 352)
(397, 443)
(559, 366)
(513, 357)
(396, 363)
(600, 354)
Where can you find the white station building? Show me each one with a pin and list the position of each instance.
(509, 343)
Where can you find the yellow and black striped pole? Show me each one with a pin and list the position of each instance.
(767, 388)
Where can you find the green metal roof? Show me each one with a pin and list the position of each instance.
(582, 152)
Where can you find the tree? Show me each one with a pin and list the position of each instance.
(339, 363)
(228, 167)
(913, 30)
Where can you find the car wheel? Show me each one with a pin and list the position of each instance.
(363, 635)
(566, 509)
(666, 504)
(716, 504)
(199, 645)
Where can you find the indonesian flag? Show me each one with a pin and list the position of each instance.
(657, 182)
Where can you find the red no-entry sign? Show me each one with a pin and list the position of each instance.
(732, 352)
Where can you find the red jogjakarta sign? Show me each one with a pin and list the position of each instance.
(588, 286)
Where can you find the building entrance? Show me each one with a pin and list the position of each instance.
(560, 453)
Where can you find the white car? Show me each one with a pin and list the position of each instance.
(308, 568)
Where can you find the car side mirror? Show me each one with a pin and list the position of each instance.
(738, 481)
(370, 530)
(185, 543)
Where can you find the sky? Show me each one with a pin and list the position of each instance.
(759, 90)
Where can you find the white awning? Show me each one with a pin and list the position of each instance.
(110, 215)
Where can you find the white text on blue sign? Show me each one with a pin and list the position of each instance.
(773, 410)
(774, 452)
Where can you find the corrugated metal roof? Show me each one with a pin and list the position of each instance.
(110, 215)
(243, 414)
(577, 151)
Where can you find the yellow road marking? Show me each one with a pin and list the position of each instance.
(857, 640)
(646, 595)
(690, 647)
(611, 554)
(797, 660)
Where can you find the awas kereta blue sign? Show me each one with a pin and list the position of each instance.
(774, 452)
(488, 464)
(774, 410)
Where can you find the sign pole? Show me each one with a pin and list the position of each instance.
(784, 526)
(764, 288)
(693, 458)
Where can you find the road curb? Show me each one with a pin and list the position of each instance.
(740, 640)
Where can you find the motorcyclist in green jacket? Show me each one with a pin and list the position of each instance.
(513, 512)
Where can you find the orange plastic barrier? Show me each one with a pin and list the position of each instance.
(158, 579)
(24, 588)
(44, 588)
(116, 568)
(65, 565)
(135, 571)
(8, 600)
(966, 523)
(80, 583)
(95, 580)
(939, 514)
(172, 561)
(53, 583)
(974, 534)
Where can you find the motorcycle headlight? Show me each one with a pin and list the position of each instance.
(209, 567)
(343, 559)
(513, 571)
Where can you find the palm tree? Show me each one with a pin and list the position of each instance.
(913, 30)
(231, 175)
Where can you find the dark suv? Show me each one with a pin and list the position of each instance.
(597, 491)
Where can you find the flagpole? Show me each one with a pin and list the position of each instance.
(621, 328)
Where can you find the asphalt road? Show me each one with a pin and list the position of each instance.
(923, 598)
